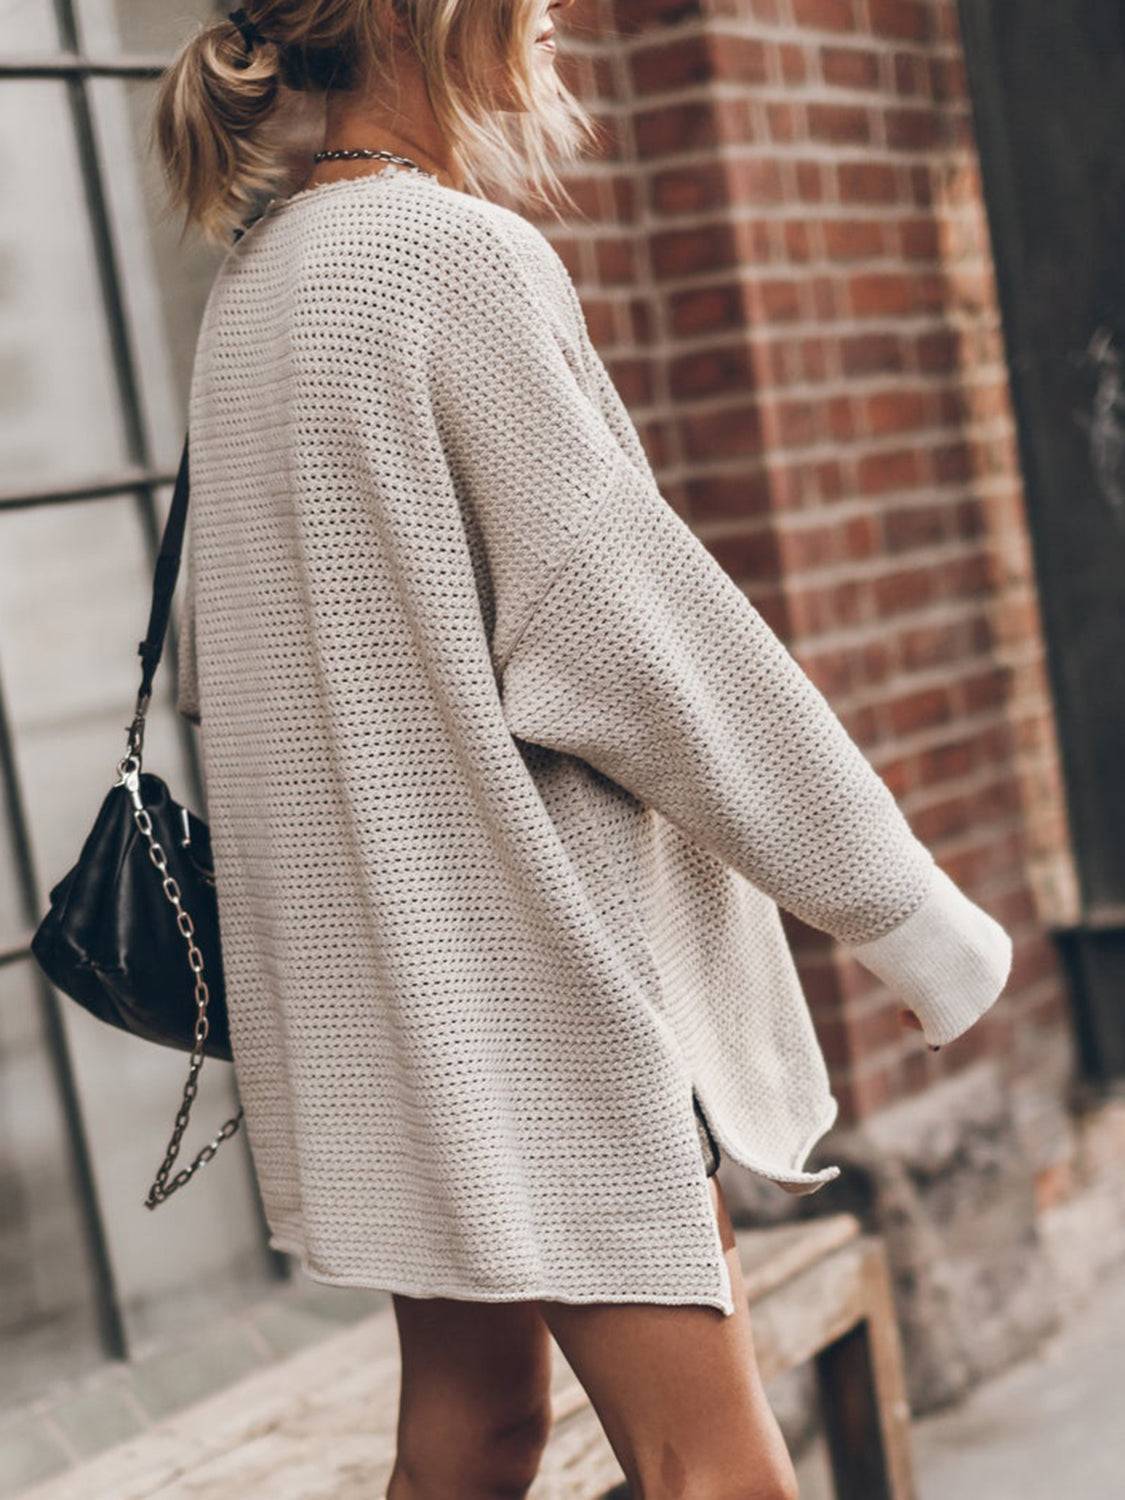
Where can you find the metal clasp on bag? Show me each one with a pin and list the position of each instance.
(129, 766)
(129, 776)
(136, 729)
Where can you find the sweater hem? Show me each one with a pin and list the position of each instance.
(794, 1179)
(377, 1282)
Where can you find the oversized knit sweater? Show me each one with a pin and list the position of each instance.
(506, 781)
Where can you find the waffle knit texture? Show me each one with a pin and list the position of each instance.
(506, 781)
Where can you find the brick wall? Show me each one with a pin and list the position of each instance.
(784, 261)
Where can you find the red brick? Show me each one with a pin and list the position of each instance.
(653, 70)
(810, 181)
(943, 821)
(798, 240)
(601, 320)
(795, 423)
(623, 198)
(826, 297)
(814, 359)
(747, 555)
(775, 361)
(753, 241)
(910, 73)
(915, 526)
(616, 261)
(756, 179)
(989, 689)
(706, 310)
(691, 189)
(825, 15)
(860, 538)
(706, 372)
(739, 59)
(883, 294)
(839, 416)
(633, 379)
(849, 67)
(631, 16)
(896, 410)
(912, 129)
(734, 117)
(804, 550)
(947, 762)
(937, 350)
(853, 239)
(829, 477)
(839, 122)
(717, 497)
(685, 252)
(866, 182)
(920, 710)
(793, 63)
(731, 432)
(872, 353)
(776, 300)
(834, 672)
(784, 122)
(924, 646)
(675, 128)
(968, 577)
(908, 19)
(948, 80)
(905, 590)
(896, 469)
(921, 186)
(919, 239)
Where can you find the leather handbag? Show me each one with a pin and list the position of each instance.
(132, 931)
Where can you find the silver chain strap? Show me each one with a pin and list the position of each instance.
(128, 775)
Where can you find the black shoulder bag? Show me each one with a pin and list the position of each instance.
(133, 928)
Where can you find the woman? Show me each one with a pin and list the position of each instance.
(506, 777)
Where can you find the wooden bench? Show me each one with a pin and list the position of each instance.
(320, 1425)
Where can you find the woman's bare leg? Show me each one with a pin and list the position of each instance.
(678, 1393)
(474, 1404)
(676, 1389)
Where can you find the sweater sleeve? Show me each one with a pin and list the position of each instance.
(647, 661)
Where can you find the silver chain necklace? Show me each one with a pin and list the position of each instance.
(365, 153)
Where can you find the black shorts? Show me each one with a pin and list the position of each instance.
(708, 1144)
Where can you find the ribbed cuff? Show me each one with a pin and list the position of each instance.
(948, 961)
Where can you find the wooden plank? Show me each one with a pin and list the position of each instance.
(770, 1257)
(809, 1311)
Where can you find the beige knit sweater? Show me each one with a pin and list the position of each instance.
(506, 778)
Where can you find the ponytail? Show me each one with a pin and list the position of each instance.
(218, 130)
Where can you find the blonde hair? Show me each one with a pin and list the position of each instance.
(223, 124)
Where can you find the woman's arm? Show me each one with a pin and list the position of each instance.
(635, 651)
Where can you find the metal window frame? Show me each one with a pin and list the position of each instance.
(141, 479)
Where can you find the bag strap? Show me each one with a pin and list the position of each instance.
(150, 651)
(164, 579)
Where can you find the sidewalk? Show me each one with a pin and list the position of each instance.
(1050, 1426)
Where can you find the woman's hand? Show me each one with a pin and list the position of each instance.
(908, 1018)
